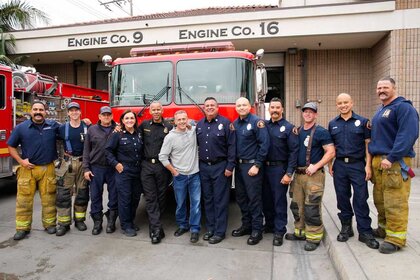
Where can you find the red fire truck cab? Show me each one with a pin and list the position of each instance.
(182, 76)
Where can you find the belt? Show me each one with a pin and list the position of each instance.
(246, 160)
(152, 160)
(79, 158)
(275, 163)
(302, 170)
(132, 164)
(213, 162)
(349, 159)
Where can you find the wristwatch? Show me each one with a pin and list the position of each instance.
(289, 174)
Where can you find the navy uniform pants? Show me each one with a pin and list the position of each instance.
(101, 176)
(129, 191)
(275, 199)
(215, 187)
(249, 196)
(345, 176)
(155, 179)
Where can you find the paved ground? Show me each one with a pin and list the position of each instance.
(79, 255)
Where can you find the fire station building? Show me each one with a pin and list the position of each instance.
(314, 49)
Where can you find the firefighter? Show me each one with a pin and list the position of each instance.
(98, 171)
(252, 143)
(123, 152)
(352, 167)
(37, 138)
(316, 149)
(278, 170)
(155, 178)
(395, 129)
(73, 133)
(216, 150)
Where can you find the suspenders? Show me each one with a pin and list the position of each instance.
(69, 149)
(309, 148)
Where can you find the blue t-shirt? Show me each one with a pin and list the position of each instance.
(38, 142)
(321, 138)
(76, 137)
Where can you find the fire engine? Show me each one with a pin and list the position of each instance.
(17, 91)
(182, 76)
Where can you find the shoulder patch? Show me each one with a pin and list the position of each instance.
(295, 130)
(232, 127)
(368, 125)
(260, 124)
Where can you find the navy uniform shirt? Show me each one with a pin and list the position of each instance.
(38, 141)
(284, 143)
(395, 129)
(252, 139)
(152, 134)
(321, 138)
(124, 147)
(216, 141)
(76, 137)
(349, 136)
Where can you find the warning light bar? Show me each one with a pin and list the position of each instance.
(187, 48)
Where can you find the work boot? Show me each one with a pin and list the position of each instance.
(61, 230)
(111, 216)
(51, 230)
(369, 240)
(379, 232)
(97, 223)
(388, 248)
(80, 225)
(294, 237)
(346, 231)
(278, 239)
(310, 246)
(20, 234)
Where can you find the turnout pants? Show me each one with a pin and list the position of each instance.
(390, 195)
(306, 193)
(43, 177)
(73, 177)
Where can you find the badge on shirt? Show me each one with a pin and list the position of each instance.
(306, 142)
(220, 127)
(282, 128)
(165, 130)
(386, 113)
(249, 127)
(232, 127)
(260, 124)
(357, 123)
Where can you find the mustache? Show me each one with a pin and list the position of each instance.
(38, 114)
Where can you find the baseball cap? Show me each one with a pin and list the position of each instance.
(310, 105)
(105, 109)
(73, 105)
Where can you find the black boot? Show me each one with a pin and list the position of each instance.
(111, 216)
(97, 223)
(346, 231)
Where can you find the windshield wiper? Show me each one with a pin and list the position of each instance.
(158, 96)
(189, 97)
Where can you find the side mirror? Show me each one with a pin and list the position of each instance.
(259, 54)
(107, 60)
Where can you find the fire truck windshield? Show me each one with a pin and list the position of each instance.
(139, 83)
(226, 79)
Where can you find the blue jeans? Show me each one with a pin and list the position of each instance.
(182, 185)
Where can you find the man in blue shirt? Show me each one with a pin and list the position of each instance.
(278, 170)
(37, 138)
(252, 143)
(316, 149)
(352, 167)
(216, 141)
(395, 129)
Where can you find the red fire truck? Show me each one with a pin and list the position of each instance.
(182, 76)
(17, 91)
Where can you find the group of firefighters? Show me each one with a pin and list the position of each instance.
(266, 156)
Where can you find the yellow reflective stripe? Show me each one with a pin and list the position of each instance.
(79, 215)
(23, 223)
(299, 232)
(314, 236)
(64, 219)
(49, 220)
(397, 234)
(4, 151)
